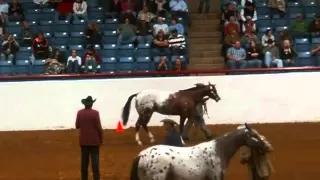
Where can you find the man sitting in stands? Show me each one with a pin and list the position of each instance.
(236, 56)
(27, 34)
(177, 43)
(248, 11)
(174, 25)
(16, 12)
(232, 25)
(160, 26)
(80, 10)
(300, 27)
(127, 33)
(179, 8)
(272, 55)
(40, 47)
(10, 47)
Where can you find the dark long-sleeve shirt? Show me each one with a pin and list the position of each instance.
(173, 139)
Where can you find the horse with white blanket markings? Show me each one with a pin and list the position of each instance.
(205, 161)
(182, 103)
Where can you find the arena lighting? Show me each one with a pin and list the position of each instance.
(154, 73)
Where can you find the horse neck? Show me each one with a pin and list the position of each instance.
(230, 144)
(197, 94)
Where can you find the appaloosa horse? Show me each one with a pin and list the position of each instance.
(205, 161)
(182, 103)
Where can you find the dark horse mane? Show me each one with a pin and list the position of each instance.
(197, 86)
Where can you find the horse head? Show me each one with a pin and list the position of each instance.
(212, 92)
(253, 139)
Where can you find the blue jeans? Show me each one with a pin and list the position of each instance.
(91, 63)
(254, 63)
(73, 67)
(272, 62)
(233, 64)
(83, 16)
(145, 39)
(4, 57)
(57, 17)
(125, 39)
(160, 52)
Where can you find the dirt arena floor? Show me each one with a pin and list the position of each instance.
(54, 155)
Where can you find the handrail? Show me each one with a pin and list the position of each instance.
(153, 73)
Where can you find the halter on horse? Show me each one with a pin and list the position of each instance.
(182, 103)
(208, 160)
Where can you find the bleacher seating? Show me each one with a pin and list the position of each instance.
(70, 35)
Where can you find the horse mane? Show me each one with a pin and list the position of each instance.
(197, 86)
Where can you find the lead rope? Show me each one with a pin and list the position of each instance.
(205, 108)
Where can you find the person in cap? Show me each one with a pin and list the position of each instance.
(314, 26)
(173, 137)
(248, 11)
(272, 55)
(91, 138)
(300, 27)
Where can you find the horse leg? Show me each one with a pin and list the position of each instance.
(181, 129)
(138, 124)
(185, 134)
(146, 120)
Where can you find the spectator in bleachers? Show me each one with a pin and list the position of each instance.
(16, 12)
(10, 47)
(64, 10)
(162, 8)
(267, 35)
(142, 3)
(163, 64)
(55, 64)
(232, 26)
(250, 11)
(178, 66)
(113, 9)
(316, 52)
(248, 37)
(128, 7)
(26, 34)
(174, 25)
(4, 10)
(80, 10)
(92, 35)
(91, 59)
(40, 47)
(231, 39)
(283, 35)
(249, 26)
(243, 2)
(272, 55)
(287, 53)
(160, 45)
(230, 11)
(254, 55)
(126, 32)
(277, 7)
(204, 6)
(144, 29)
(160, 26)
(73, 63)
(145, 15)
(300, 27)
(177, 43)
(314, 26)
(128, 14)
(41, 3)
(1, 25)
(236, 56)
(179, 8)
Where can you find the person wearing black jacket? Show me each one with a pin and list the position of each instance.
(287, 53)
(254, 55)
(10, 47)
(114, 8)
(173, 137)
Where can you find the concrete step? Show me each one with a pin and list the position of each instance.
(204, 54)
(205, 22)
(205, 47)
(197, 41)
(212, 16)
(205, 28)
(207, 60)
(195, 34)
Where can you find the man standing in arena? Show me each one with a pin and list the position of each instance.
(91, 137)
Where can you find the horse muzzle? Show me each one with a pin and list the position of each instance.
(217, 99)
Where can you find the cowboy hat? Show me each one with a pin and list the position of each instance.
(88, 100)
(170, 121)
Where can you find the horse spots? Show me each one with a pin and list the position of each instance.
(152, 156)
(161, 171)
(165, 167)
(171, 150)
(173, 157)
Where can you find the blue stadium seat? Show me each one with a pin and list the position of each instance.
(61, 34)
(310, 15)
(311, 9)
(22, 67)
(143, 50)
(293, 4)
(279, 22)
(263, 23)
(23, 55)
(25, 49)
(109, 39)
(110, 33)
(281, 28)
(76, 40)
(60, 41)
(143, 63)
(38, 67)
(29, 5)
(77, 34)
(126, 50)
(11, 24)
(294, 10)
(76, 47)
(262, 10)
(126, 64)
(46, 29)
(48, 10)
(302, 47)
(301, 41)
(305, 59)
(261, 4)
(183, 59)
(33, 11)
(110, 50)
(96, 15)
(13, 29)
(32, 17)
(77, 27)
(6, 68)
(109, 64)
(16, 36)
(62, 47)
(315, 40)
(46, 17)
(264, 29)
(262, 16)
(46, 23)
(62, 22)
(62, 28)
(111, 24)
(96, 21)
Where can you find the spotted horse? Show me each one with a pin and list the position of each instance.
(205, 161)
(182, 103)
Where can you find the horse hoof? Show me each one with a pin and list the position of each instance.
(209, 138)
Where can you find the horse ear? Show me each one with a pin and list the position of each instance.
(247, 127)
(209, 83)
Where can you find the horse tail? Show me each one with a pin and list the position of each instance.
(126, 109)
(134, 169)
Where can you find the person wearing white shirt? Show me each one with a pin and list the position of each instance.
(248, 11)
(160, 26)
(179, 8)
(4, 9)
(80, 10)
(73, 63)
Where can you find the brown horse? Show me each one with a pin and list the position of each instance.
(182, 103)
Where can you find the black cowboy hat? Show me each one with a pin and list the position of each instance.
(88, 101)
(170, 121)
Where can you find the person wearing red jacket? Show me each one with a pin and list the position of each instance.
(91, 59)
(232, 25)
(40, 47)
(90, 138)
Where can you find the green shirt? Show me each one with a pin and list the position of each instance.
(127, 29)
(301, 26)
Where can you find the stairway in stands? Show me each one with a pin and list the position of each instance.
(204, 40)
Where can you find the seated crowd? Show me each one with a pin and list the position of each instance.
(270, 34)
(141, 23)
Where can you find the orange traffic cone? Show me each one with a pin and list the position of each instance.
(119, 127)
